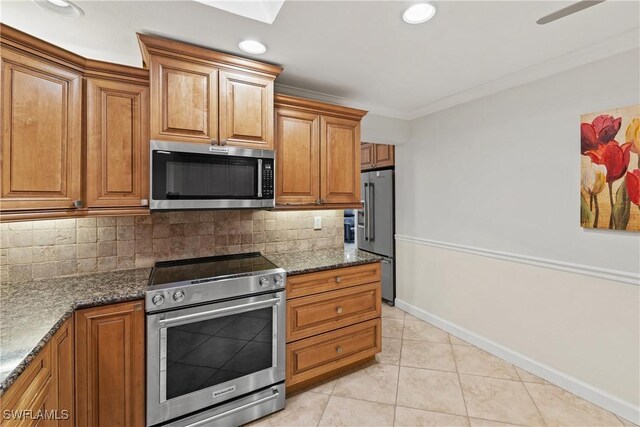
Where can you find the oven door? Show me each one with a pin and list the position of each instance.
(201, 356)
(200, 176)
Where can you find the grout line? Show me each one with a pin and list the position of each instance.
(395, 402)
(324, 409)
(535, 404)
(464, 400)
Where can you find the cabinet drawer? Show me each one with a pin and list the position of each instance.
(312, 357)
(325, 312)
(329, 280)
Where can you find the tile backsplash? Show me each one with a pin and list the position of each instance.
(38, 249)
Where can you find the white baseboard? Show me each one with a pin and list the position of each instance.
(588, 392)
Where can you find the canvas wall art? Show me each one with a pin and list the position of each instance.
(610, 181)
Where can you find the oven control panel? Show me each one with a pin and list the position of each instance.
(171, 296)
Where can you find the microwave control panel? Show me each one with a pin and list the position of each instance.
(267, 179)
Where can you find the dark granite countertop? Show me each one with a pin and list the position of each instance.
(31, 312)
(321, 259)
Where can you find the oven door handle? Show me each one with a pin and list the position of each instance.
(208, 420)
(188, 318)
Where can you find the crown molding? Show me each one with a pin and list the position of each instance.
(623, 42)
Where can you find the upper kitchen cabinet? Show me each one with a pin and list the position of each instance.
(200, 95)
(117, 122)
(42, 124)
(317, 154)
(376, 156)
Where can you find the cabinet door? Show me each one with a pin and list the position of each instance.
(41, 134)
(246, 110)
(110, 369)
(384, 155)
(117, 144)
(366, 156)
(184, 101)
(339, 160)
(297, 157)
(63, 369)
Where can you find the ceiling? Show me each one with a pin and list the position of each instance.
(359, 51)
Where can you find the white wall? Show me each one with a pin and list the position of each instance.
(385, 130)
(502, 174)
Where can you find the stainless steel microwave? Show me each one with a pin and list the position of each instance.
(202, 176)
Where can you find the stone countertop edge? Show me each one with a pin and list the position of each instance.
(12, 376)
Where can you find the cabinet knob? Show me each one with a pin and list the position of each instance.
(77, 204)
(338, 279)
(144, 202)
(214, 141)
(339, 310)
(339, 349)
(223, 142)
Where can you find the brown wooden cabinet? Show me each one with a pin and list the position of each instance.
(45, 387)
(41, 132)
(333, 322)
(376, 156)
(184, 100)
(297, 157)
(117, 173)
(317, 154)
(56, 164)
(110, 368)
(200, 95)
(246, 110)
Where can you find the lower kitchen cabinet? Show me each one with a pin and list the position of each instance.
(333, 322)
(110, 367)
(43, 394)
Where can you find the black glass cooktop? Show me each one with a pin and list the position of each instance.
(204, 269)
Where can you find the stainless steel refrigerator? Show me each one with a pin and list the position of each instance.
(376, 225)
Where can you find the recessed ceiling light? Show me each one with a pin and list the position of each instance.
(419, 13)
(61, 7)
(253, 47)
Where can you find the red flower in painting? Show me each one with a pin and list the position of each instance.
(600, 131)
(614, 156)
(633, 186)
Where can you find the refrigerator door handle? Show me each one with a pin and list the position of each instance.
(366, 211)
(371, 207)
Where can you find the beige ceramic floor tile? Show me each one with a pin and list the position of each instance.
(377, 383)
(427, 355)
(325, 388)
(408, 417)
(458, 341)
(430, 390)
(302, 410)
(342, 411)
(472, 360)
(477, 422)
(499, 400)
(390, 354)
(391, 312)
(419, 330)
(392, 328)
(528, 377)
(561, 408)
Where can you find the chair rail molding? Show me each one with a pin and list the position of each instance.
(626, 277)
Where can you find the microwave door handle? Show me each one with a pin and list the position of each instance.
(259, 177)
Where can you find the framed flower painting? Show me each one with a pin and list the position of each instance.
(610, 166)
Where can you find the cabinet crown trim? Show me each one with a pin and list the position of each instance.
(167, 47)
(318, 107)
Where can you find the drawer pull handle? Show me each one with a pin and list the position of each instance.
(339, 310)
(339, 349)
(338, 279)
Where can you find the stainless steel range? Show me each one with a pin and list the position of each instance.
(215, 340)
